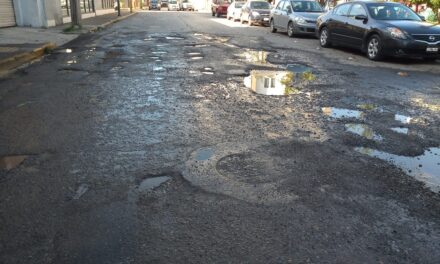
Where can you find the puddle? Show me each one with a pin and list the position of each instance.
(158, 68)
(174, 38)
(204, 154)
(158, 60)
(363, 131)
(400, 130)
(255, 56)
(196, 58)
(11, 162)
(402, 119)
(193, 53)
(208, 72)
(71, 62)
(298, 68)
(159, 78)
(270, 82)
(68, 50)
(425, 167)
(340, 113)
(159, 52)
(154, 57)
(82, 189)
(208, 69)
(152, 183)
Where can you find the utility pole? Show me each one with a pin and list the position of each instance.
(131, 6)
(75, 12)
(119, 7)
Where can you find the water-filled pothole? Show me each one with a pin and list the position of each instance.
(204, 154)
(174, 38)
(270, 82)
(298, 68)
(425, 167)
(402, 119)
(400, 130)
(152, 183)
(340, 113)
(363, 131)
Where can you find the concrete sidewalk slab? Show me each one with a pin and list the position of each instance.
(20, 45)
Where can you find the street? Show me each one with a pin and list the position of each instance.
(140, 143)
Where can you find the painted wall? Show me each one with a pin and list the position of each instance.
(38, 13)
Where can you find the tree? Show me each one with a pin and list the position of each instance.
(435, 5)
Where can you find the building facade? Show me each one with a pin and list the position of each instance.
(47, 13)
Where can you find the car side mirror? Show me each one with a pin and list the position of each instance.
(361, 17)
(289, 11)
(422, 18)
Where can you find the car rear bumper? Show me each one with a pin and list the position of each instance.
(261, 20)
(410, 48)
(222, 10)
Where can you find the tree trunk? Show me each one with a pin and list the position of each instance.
(75, 11)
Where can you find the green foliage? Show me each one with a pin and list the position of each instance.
(72, 28)
(308, 76)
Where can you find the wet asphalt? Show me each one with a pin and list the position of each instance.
(141, 144)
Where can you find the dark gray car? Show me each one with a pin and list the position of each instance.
(295, 16)
(255, 12)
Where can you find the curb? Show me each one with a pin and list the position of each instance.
(106, 24)
(8, 65)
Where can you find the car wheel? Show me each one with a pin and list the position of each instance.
(249, 21)
(290, 30)
(374, 48)
(217, 14)
(273, 29)
(213, 13)
(323, 38)
(241, 20)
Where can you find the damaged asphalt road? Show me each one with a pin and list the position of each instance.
(141, 144)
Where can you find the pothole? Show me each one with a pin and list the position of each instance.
(425, 168)
(204, 154)
(196, 58)
(363, 131)
(402, 119)
(174, 38)
(150, 184)
(270, 82)
(341, 113)
(400, 130)
(11, 162)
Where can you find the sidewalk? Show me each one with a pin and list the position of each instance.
(19, 45)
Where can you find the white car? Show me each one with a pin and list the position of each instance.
(234, 10)
(186, 5)
(173, 6)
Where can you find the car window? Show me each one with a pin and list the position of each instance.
(287, 6)
(280, 5)
(391, 11)
(342, 10)
(306, 6)
(238, 4)
(356, 10)
(260, 5)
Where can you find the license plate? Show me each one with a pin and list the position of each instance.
(266, 19)
(431, 49)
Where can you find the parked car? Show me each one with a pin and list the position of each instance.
(219, 7)
(255, 11)
(380, 29)
(163, 4)
(234, 10)
(186, 5)
(153, 4)
(173, 5)
(295, 17)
